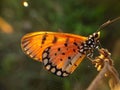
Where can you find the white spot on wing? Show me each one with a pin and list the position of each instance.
(25, 43)
(45, 61)
(91, 45)
(81, 46)
(44, 54)
(65, 74)
(28, 52)
(85, 44)
(53, 70)
(89, 42)
(48, 67)
(81, 50)
(59, 73)
(31, 55)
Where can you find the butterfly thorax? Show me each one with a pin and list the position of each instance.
(90, 44)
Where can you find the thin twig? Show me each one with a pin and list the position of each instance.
(107, 23)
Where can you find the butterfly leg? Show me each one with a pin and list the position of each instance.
(90, 55)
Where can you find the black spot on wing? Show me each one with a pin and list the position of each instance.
(75, 43)
(61, 59)
(63, 53)
(69, 57)
(65, 44)
(54, 39)
(74, 50)
(55, 54)
(67, 40)
(44, 38)
(59, 49)
(75, 65)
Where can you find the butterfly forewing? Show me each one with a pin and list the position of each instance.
(59, 52)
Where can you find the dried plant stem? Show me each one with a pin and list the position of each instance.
(107, 71)
(99, 77)
(114, 80)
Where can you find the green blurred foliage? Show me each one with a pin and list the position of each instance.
(82, 17)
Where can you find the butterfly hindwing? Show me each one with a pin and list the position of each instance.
(62, 60)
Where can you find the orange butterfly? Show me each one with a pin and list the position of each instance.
(61, 53)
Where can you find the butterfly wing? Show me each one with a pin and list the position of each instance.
(59, 52)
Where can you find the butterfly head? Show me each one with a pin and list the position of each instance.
(96, 35)
(94, 38)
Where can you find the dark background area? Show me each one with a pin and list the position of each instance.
(82, 17)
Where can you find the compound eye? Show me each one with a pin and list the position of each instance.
(96, 35)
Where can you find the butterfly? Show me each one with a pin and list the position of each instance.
(61, 53)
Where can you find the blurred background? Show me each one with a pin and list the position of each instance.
(82, 17)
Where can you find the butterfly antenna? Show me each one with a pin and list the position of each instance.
(107, 23)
